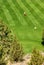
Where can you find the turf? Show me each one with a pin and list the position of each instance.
(12, 13)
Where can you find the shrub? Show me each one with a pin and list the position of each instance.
(9, 46)
(16, 52)
(36, 58)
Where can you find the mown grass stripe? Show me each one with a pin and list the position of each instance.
(30, 8)
(38, 6)
(40, 14)
(33, 13)
(8, 16)
(33, 32)
(22, 5)
(21, 19)
(33, 21)
(2, 16)
(30, 16)
(22, 12)
(12, 13)
(4, 19)
(25, 35)
(25, 9)
(23, 32)
(40, 3)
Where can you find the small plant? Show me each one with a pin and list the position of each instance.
(36, 58)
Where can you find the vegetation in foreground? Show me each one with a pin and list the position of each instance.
(36, 58)
(10, 49)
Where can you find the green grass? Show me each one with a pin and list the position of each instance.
(12, 13)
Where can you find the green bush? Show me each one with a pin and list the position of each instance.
(9, 46)
(36, 58)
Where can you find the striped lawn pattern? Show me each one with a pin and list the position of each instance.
(12, 13)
